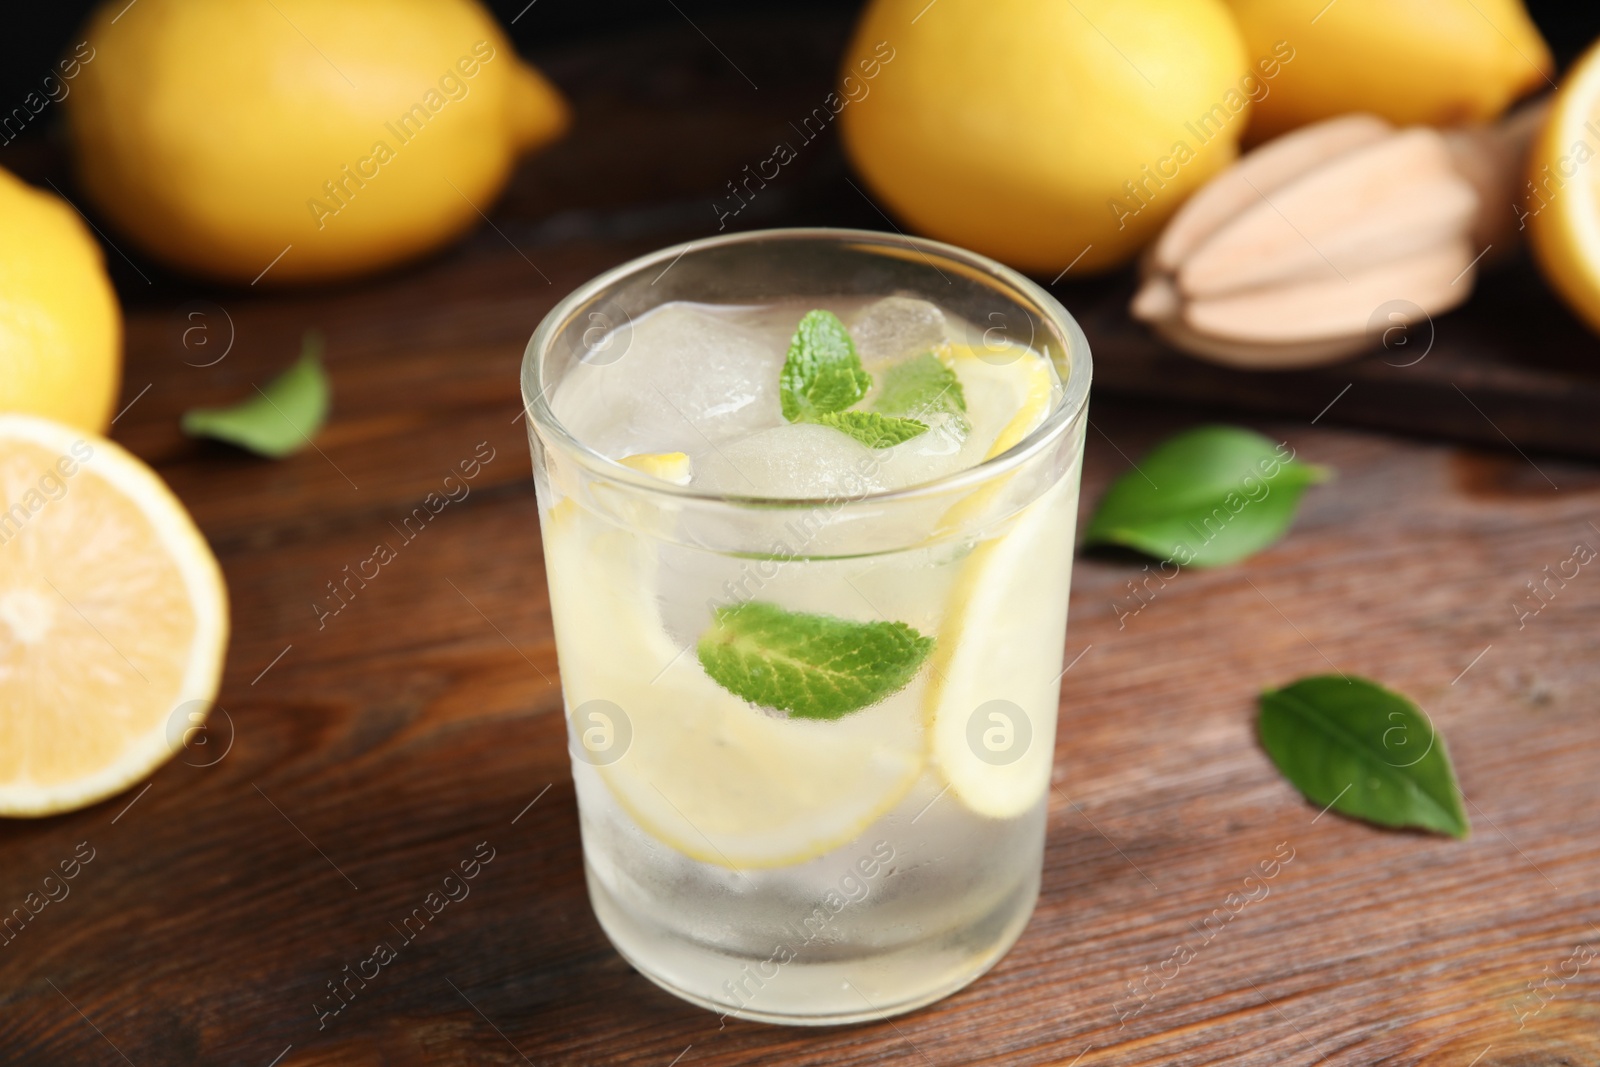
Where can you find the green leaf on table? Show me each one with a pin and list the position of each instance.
(812, 666)
(872, 429)
(822, 373)
(1208, 496)
(280, 418)
(922, 386)
(1363, 750)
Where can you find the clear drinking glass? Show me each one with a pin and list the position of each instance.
(796, 870)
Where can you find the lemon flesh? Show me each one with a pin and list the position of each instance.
(999, 650)
(671, 467)
(1563, 202)
(703, 771)
(1001, 647)
(113, 618)
(1008, 386)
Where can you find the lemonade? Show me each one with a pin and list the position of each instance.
(808, 535)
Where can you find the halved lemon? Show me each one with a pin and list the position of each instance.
(113, 618)
(696, 767)
(991, 704)
(1563, 201)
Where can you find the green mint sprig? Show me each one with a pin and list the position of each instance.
(822, 376)
(811, 666)
(872, 429)
(822, 373)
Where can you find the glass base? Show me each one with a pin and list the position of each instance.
(798, 991)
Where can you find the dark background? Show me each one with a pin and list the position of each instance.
(30, 42)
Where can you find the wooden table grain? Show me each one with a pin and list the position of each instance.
(367, 743)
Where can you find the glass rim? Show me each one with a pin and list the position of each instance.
(1074, 399)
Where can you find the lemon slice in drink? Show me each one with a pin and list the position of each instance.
(694, 766)
(991, 704)
(113, 616)
(1008, 393)
(1010, 387)
(671, 467)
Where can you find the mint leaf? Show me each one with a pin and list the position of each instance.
(278, 419)
(1206, 497)
(1350, 744)
(812, 666)
(822, 376)
(822, 373)
(921, 386)
(872, 429)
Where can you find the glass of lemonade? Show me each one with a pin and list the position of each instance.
(807, 500)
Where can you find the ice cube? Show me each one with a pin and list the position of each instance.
(670, 381)
(931, 454)
(896, 327)
(791, 461)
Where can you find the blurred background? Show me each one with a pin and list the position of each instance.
(668, 119)
(658, 66)
(34, 40)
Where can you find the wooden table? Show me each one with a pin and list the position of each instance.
(376, 748)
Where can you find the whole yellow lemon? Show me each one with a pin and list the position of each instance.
(320, 138)
(1432, 62)
(1040, 132)
(60, 327)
